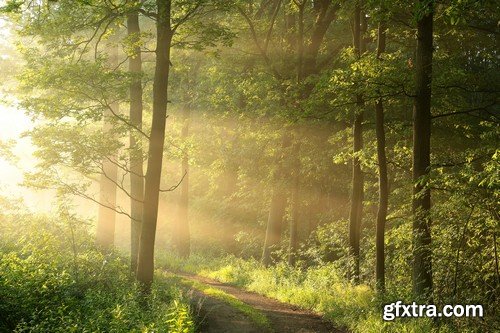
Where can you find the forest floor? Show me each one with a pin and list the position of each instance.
(221, 317)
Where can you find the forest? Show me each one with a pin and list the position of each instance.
(249, 166)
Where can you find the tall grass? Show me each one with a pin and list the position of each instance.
(321, 288)
(53, 280)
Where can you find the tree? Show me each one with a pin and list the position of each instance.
(355, 216)
(86, 83)
(292, 61)
(170, 17)
(422, 252)
(294, 218)
(135, 138)
(383, 199)
(181, 228)
(105, 230)
(164, 31)
(277, 206)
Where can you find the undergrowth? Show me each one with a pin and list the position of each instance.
(319, 288)
(53, 280)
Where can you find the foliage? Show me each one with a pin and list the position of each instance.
(53, 280)
(249, 75)
(321, 288)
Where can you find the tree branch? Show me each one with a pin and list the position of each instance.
(172, 188)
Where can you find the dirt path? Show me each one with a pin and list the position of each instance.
(284, 318)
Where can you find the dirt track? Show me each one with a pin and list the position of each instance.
(218, 317)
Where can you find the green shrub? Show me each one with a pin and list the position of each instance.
(53, 280)
(320, 288)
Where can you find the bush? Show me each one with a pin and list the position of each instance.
(53, 280)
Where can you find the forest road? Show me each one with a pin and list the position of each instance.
(219, 317)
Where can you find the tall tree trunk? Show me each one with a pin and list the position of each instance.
(182, 242)
(277, 206)
(300, 45)
(356, 211)
(145, 264)
(105, 231)
(136, 158)
(293, 242)
(355, 215)
(422, 252)
(274, 223)
(383, 184)
(294, 221)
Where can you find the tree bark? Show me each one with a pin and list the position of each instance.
(145, 264)
(383, 184)
(355, 216)
(136, 158)
(105, 231)
(422, 252)
(182, 242)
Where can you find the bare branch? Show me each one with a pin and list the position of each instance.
(172, 188)
(271, 25)
(483, 108)
(120, 186)
(257, 43)
(73, 190)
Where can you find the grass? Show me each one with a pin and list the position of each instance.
(52, 282)
(321, 289)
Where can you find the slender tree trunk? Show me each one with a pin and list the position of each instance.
(300, 46)
(294, 221)
(136, 158)
(274, 223)
(277, 207)
(383, 184)
(356, 211)
(355, 215)
(293, 245)
(422, 252)
(182, 242)
(145, 264)
(105, 232)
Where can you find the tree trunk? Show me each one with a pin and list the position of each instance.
(182, 242)
(294, 221)
(274, 222)
(422, 252)
(356, 211)
(383, 194)
(355, 215)
(145, 264)
(136, 158)
(277, 207)
(300, 45)
(105, 231)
